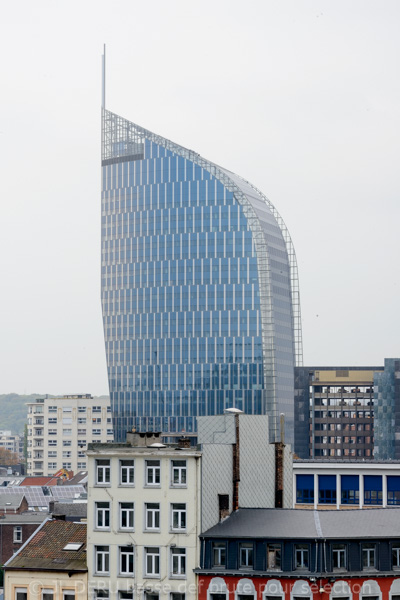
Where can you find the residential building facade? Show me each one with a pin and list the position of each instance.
(12, 442)
(50, 566)
(200, 293)
(143, 519)
(60, 429)
(259, 554)
(15, 530)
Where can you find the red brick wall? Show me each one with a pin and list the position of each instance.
(7, 545)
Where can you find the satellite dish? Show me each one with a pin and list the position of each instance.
(234, 411)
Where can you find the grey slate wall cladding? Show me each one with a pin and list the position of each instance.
(387, 411)
(257, 465)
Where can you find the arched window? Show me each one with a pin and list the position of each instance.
(394, 593)
(245, 590)
(301, 590)
(217, 589)
(273, 590)
(341, 591)
(370, 590)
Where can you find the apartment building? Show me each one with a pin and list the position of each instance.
(12, 442)
(143, 519)
(60, 429)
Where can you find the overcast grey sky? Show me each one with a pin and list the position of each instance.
(300, 97)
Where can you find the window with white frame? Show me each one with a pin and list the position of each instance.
(68, 594)
(81, 409)
(67, 431)
(126, 515)
(178, 473)
(81, 420)
(96, 409)
(52, 442)
(127, 472)
(368, 556)
(301, 552)
(178, 516)
(126, 556)
(52, 409)
(67, 465)
(51, 432)
(21, 593)
(246, 556)
(178, 562)
(17, 537)
(339, 556)
(47, 594)
(96, 431)
(52, 420)
(102, 559)
(152, 562)
(153, 472)
(103, 471)
(52, 465)
(52, 453)
(81, 465)
(81, 432)
(219, 554)
(152, 519)
(67, 454)
(396, 556)
(66, 443)
(102, 511)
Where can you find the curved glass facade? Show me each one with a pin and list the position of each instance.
(197, 289)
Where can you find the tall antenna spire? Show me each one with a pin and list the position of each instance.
(103, 90)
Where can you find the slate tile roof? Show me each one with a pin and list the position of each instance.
(305, 524)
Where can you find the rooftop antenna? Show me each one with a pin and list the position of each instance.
(103, 89)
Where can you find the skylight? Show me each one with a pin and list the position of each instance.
(73, 546)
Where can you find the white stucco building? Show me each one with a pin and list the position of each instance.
(61, 427)
(143, 519)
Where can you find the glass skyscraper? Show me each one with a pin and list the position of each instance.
(199, 289)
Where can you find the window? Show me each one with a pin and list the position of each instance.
(110, 432)
(152, 516)
(18, 534)
(126, 515)
(67, 420)
(68, 594)
(81, 420)
(96, 420)
(339, 556)
(21, 593)
(67, 465)
(102, 515)
(102, 557)
(178, 473)
(96, 431)
(178, 562)
(152, 562)
(52, 420)
(52, 442)
(50, 432)
(393, 490)
(103, 471)
(52, 409)
(350, 489)
(301, 556)
(274, 557)
(327, 489)
(96, 409)
(81, 409)
(101, 595)
(81, 465)
(126, 554)
(67, 431)
(67, 409)
(66, 443)
(373, 489)
(396, 556)
(219, 554)
(81, 432)
(177, 596)
(66, 454)
(368, 556)
(127, 472)
(305, 489)
(245, 556)
(52, 465)
(47, 594)
(178, 516)
(153, 472)
(52, 453)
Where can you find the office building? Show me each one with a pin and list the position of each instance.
(200, 292)
(61, 427)
(334, 409)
